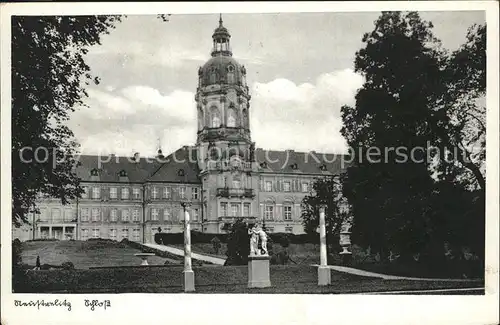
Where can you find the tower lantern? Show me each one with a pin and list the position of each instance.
(221, 38)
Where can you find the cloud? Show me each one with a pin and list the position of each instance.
(303, 117)
(134, 118)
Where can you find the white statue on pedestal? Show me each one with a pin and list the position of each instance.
(263, 240)
(254, 240)
(257, 233)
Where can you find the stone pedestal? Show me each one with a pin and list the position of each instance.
(258, 271)
(324, 276)
(188, 281)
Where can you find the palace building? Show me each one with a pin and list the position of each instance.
(223, 174)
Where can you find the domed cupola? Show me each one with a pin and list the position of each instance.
(222, 68)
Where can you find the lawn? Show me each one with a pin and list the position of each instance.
(210, 279)
(299, 253)
(85, 254)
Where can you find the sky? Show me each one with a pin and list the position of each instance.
(300, 71)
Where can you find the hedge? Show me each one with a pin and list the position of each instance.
(206, 238)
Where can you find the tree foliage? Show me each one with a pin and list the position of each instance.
(466, 107)
(49, 74)
(401, 130)
(326, 191)
(238, 244)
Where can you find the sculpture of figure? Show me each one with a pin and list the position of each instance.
(263, 240)
(254, 240)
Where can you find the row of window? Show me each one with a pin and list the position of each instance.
(169, 216)
(286, 186)
(156, 193)
(56, 215)
(269, 212)
(94, 214)
(234, 209)
(113, 234)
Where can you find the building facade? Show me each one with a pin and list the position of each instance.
(224, 175)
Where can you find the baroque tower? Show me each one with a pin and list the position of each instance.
(225, 152)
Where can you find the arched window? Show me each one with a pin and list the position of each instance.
(200, 118)
(245, 118)
(230, 74)
(214, 117)
(213, 75)
(231, 118)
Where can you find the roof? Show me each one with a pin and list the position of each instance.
(291, 162)
(179, 167)
(155, 169)
(109, 168)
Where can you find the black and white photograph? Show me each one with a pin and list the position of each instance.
(309, 154)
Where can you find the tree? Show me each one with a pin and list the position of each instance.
(396, 112)
(327, 191)
(467, 110)
(238, 244)
(48, 78)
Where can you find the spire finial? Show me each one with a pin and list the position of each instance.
(220, 20)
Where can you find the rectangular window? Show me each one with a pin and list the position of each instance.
(246, 210)
(182, 192)
(125, 215)
(112, 234)
(167, 193)
(96, 193)
(270, 229)
(154, 193)
(154, 214)
(223, 209)
(288, 212)
(269, 212)
(69, 215)
(113, 193)
(305, 187)
(124, 233)
(135, 215)
(95, 214)
(286, 186)
(236, 183)
(136, 193)
(235, 210)
(125, 193)
(85, 194)
(96, 233)
(269, 186)
(166, 214)
(194, 193)
(85, 234)
(196, 213)
(84, 214)
(288, 229)
(113, 215)
(136, 234)
(56, 215)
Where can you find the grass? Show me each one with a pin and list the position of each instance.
(300, 253)
(211, 279)
(85, 254)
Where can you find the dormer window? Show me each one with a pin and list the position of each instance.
(263, 164)
(123, 173)
(94, 172)
(230, 68)
(294, 166)
(180, 172)
(322, 167)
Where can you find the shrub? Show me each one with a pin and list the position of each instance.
(238, 244)
(17, 249)
(68, 266)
